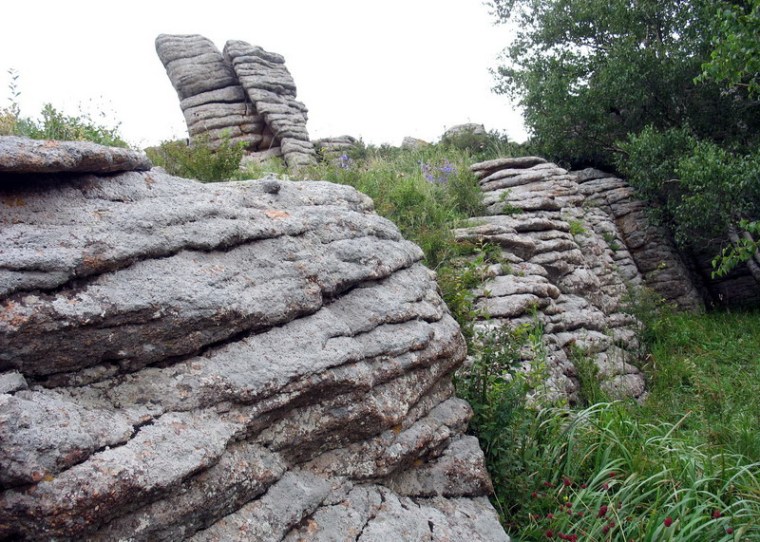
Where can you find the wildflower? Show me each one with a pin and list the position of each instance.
(606, 528)
(584, 486)
(716, 514)
(568, 505)
(548, 484)
(668, 521)
(567, 482)
(602, 511)
(612, 474)
(729, 530)
(605, 486)
(549, 516)
(344, 161)
(580, 514)
(549, 533)
(534, 495)
(447, 168)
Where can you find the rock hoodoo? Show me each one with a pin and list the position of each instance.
(244, 93)
(259, 360)
(573, 245)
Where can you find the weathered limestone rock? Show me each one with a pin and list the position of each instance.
(271, 89)
(211, 97)
(413, 143)
(246, 94)
(331, 146)
(469, 128)
(259, 360)
(23, 155)
(662, 268)
(574, 245)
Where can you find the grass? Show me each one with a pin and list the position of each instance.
(684, 466)
(709, 367)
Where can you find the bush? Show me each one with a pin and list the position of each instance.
(482, 146)
(198, 161)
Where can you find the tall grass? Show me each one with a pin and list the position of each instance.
(684, 466)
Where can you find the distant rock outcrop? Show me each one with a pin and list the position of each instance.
(459, 130)
(573, 245)
(259, 360)
(246, 94)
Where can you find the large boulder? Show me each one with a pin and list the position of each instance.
(259, 360)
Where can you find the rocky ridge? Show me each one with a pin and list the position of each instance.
(244, 93)
(259, 360)
(573, 245)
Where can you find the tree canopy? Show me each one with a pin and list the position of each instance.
(663, 92)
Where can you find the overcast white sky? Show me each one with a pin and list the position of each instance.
(379, 69)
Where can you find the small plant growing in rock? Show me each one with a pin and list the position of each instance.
(611, 241)
(576, 228)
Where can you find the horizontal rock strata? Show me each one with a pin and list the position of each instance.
(261, 360)
(23, 155)
(570, 251)
(245, 95)
(212, 100)
(270, 87)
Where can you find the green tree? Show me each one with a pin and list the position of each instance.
(589, 72)
(664, 92)
(735, 59)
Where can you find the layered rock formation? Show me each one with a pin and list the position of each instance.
(246, 94)
(573, 245)
(261, 360)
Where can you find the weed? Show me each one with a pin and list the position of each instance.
(576, 228)
(589, 390)
(611, 241)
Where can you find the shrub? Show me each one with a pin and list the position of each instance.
(198, 161)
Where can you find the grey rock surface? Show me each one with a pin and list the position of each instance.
(28, 156)
(245, 95)
(470, 128)
(212, 100)
(575, 245)
(271, 89)
(258, 360)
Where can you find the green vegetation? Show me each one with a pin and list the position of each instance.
(426, 191)
(199, 161)
(54, 124)
(666, 93)
(683, 466)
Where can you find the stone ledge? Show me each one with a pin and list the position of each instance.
(24, 155)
